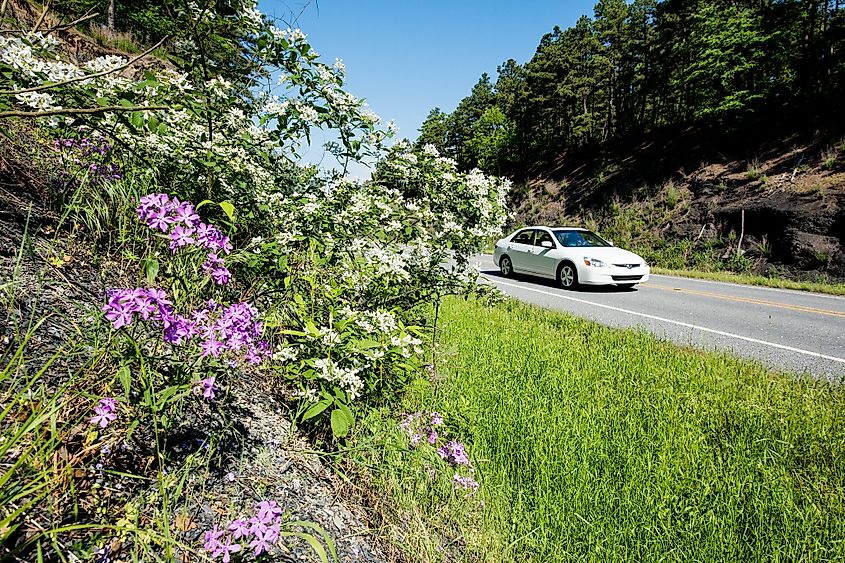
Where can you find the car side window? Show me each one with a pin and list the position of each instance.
(524, 237)
(543, 236)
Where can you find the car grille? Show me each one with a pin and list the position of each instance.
(629, 266)
(626, 278)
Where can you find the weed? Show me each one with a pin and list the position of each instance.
(829, 157)
(754, 170)
(673, 196)
(764, 247)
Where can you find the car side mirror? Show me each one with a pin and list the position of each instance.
(547, 244)
(610, 242)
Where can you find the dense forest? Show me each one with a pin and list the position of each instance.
(641, 65)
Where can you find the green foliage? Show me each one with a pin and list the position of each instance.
(492, 136)
(613, 445)
(638, 65)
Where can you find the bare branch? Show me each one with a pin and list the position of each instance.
(90, 14)
(79, 111)
(43, 15)
(86, 77)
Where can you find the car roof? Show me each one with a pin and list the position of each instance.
(554, 228)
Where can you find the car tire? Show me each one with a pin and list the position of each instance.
(506, 266)
(567, 276)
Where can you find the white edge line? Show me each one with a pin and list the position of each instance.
(679, 323)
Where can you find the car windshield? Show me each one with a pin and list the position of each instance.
(579, 238)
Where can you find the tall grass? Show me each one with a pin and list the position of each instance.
(594, 444)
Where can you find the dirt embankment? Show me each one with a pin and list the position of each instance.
(770, 191)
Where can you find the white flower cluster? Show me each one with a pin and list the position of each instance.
(346, 377)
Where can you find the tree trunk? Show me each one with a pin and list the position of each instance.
(110, 21)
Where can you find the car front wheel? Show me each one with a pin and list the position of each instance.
(567, 276)
(505, 266)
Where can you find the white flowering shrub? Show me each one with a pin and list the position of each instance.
(340, 266)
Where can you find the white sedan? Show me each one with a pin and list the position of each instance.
(570, 255)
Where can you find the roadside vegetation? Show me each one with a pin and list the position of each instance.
(829, 288)
(606, 445)
(167, 265)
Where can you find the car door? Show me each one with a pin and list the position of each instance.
(543, 259)
(520, 249)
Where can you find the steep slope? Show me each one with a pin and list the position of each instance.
(766, 199)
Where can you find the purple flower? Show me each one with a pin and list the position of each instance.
(158, 221)
(268, 510)
(454, 453)
(211, 347)
(212, 539)
(186, 214)
(119, 312)
(261, 543)
(221, 276)
(104, 412)
(226, 549)
(239, 528)
(436, 419)
(180, 236)
(207, 388)
(465, 483)
(257, 526)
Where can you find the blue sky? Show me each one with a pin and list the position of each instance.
(408, 56)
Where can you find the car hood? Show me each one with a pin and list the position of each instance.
(610, 254)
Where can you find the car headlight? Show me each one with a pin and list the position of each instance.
(594, 262)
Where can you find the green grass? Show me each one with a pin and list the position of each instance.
(817, 287)
(594, 444)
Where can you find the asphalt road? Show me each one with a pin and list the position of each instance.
(791, 331)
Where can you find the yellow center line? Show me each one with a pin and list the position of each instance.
(801, 308)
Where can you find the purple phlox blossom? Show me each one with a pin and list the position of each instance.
(123, 304)
(211, 347)
(105, 412)
(212, 539)
(239, 528)
(432, 435)
(262, 542)
(436, 419)
(179, 330)
(465, 483)
(119, 311)
(273, 532)
(221, 276)
(207, 388)
(186, 214)
(226, 550)
(181, 236)
(257, 526)
(454, 453)
(268, 511)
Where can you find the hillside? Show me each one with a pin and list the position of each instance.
(678, 197)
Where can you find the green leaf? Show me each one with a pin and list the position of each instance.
(316, 409)
(340, 423)
(228, 209)
(151, 267)
(125, 377)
